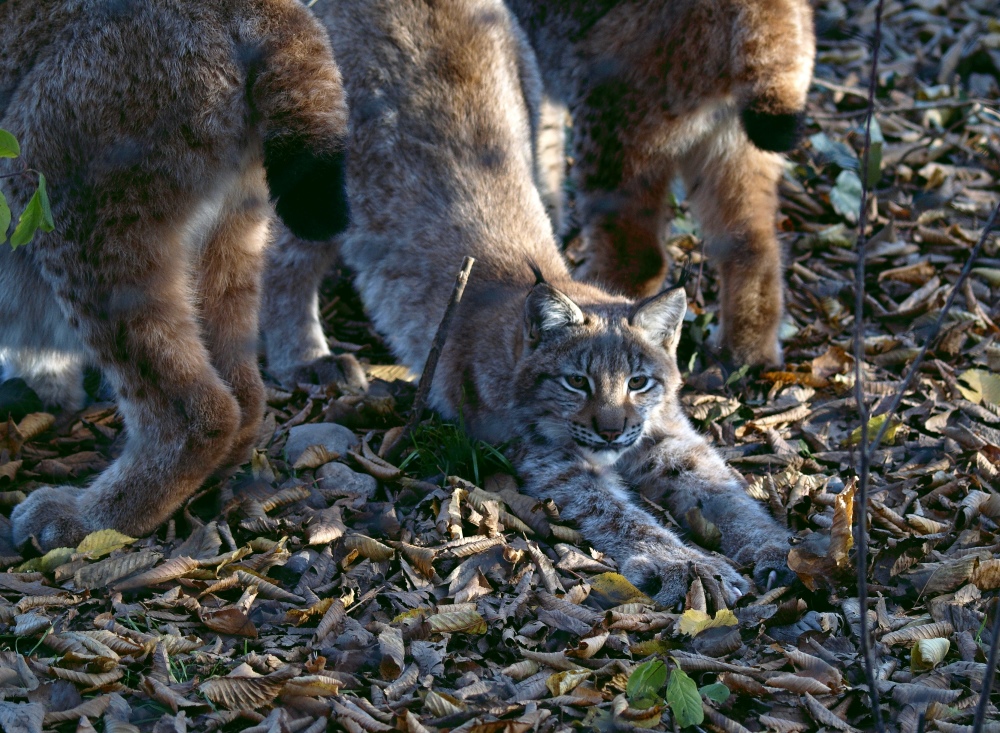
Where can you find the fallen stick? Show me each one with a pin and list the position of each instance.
(430, 366)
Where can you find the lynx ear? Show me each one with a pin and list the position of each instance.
(661, 317)
(546, 309)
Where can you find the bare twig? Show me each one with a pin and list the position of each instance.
(861, 530)
(430, 366)
(991, 668)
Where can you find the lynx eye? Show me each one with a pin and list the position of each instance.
(639, 383)
(577, 382)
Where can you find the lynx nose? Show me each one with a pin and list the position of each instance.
(609, 434)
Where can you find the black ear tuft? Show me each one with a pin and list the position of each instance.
(777, 133)
(309, 190)
(548, 310)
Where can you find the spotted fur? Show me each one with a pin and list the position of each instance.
(158, 124)
(582, 383)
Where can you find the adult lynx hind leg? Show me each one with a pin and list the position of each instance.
(733, 191)
(156, 260)
(294, 341)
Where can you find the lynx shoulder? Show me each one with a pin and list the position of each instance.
(707, 90)
(582, 383)
(163, 128)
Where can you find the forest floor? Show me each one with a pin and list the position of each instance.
(318, 584)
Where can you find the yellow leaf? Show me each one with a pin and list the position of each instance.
(617, 590)
(980, 385)
(874, 425)
(47, 562)
(103, 542)
(693, 622)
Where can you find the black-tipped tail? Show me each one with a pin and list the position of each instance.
(309, 191)
(777, 133)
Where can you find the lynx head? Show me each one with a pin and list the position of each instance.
(593, 376)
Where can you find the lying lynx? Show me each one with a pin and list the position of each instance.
(697, 88)
(583, 383)
(161, 128)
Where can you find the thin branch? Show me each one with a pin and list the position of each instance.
(430, 365)
(991, 668)
(861, 530)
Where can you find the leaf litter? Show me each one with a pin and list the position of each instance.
(291, 597)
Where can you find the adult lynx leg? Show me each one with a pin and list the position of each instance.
(733, 192)
(623, 212)
(230, 295)
(180, 417)
(289, 313)
(551, 160)
(41, 348)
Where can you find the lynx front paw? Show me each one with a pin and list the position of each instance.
(52, 516)
(666, 577)
(770, 566)
(343, 370)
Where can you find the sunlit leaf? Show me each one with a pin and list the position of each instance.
(9, 147)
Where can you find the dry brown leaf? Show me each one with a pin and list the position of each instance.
(170, 570)
(246, 693)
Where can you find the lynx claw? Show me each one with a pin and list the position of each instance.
(666, 580)
(52, 516)
(342, 370)
(771, 567)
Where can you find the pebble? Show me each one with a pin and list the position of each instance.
(335, 438)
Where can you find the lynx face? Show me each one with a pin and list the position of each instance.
(598, 374)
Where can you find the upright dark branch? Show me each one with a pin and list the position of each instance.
(861, 530)
(430, 366)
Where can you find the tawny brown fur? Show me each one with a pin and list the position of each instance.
(656, 89)
(158, 124)
(583, 384)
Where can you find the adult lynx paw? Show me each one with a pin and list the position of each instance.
(340, 369)
(770, 566)
(666, 576)
(51, 515)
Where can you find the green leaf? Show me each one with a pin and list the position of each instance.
(683, 699)
(874, 172)
(645, 682)
(738, 374)
(36, 215)
(4, 218)
(8, 145)
(716, 692)
(47, 224)
(846, 195)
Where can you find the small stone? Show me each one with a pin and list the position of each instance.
(335, 438)
(339, 480)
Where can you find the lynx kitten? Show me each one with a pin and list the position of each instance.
(583, 383)
(161, 127)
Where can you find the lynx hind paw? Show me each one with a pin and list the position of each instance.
(772, 558)
(309, 189)
(667, 580)
(51, 515)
